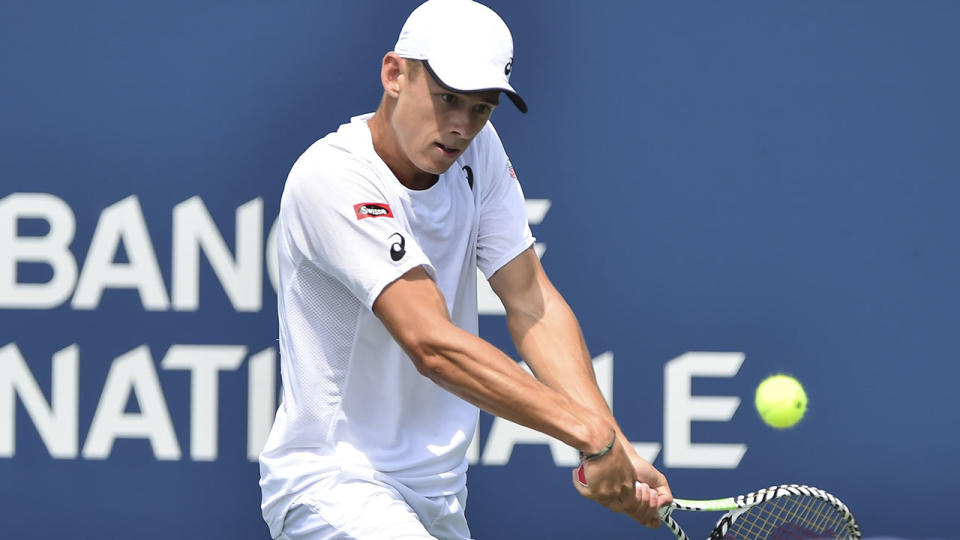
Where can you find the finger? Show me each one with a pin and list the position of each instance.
(664, 495)
(655, 520)
(642, 511)
(651, 508)
(632, 503)
(653, 517)
(645, 493)
(616, 505)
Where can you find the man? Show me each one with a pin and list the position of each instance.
(381, 227)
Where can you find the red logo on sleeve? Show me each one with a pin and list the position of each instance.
(372, 209)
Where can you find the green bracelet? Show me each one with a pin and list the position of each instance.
(600, 454)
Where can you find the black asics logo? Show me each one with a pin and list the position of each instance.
(398, 248)
(469, 171)
(508, 68)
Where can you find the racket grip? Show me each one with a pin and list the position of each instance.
(664, 511)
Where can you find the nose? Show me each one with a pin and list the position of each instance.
(459, 122)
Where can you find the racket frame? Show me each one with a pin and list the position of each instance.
(734, 506)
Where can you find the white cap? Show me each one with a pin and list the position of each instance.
(464, 45)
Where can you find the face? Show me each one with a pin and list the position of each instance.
(433, 125)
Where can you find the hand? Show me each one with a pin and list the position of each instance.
(655, 484)
(611, 480)
(649, 490)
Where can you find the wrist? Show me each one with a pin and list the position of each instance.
(593, 456)
(591, 434)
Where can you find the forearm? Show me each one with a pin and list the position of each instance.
(550, 340)
(414, 312)
(480, 373)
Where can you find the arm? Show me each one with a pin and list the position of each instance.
(414, 311)
(548, 337)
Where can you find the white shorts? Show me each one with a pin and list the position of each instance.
(351, 506)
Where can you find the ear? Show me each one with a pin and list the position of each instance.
(390, 74)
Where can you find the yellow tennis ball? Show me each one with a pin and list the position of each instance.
(781, 401)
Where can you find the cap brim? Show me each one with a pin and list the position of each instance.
(505, 88)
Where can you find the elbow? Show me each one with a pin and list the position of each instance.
(433, 367)
(425, 353)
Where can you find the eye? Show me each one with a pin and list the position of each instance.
(482, 109)
(448, 98)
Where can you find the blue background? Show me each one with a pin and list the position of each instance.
(778, 179)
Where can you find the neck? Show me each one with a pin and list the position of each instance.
(387, 146)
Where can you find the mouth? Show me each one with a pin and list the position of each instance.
(448, 151)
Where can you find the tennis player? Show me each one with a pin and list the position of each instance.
(382, 226)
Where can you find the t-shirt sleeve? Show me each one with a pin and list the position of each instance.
(339, 220)
(503, 232)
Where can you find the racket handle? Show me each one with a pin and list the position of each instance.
(582, 478)
(664, 511)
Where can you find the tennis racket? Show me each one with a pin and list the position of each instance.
(779, 512)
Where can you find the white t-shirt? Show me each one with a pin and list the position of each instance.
(348, 228)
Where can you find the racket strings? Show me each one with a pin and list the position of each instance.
(789, 518)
